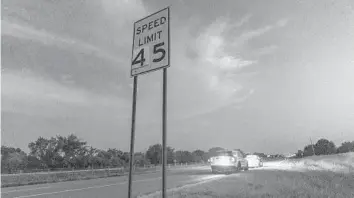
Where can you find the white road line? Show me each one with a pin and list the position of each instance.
(79, 189)
(22, 190)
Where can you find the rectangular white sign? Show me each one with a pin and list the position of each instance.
(151, 43)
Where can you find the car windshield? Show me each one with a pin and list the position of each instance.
(237, 154)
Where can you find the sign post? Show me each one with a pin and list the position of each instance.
(151, 52)
(164, 153)
(132, 138)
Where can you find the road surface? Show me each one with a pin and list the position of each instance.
(111, 187)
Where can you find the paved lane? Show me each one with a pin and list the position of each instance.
(110, 187)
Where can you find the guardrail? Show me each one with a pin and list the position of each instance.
(8, 180)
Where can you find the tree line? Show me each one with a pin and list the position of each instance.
(325, 147)
(70, 152)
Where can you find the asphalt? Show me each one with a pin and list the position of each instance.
(116, 187)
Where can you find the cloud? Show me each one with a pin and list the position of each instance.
(73, 43)
(209, 77)
(47, 38)
(214, 78)
(123, 10)
(209, 81)
(25, 92)
(101, 23)
(266, 50)
(228, 62)
(251, 34)
(282, 22)
(212, 46)
(243, 20)
(66, 62)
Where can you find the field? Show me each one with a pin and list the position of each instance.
(318, 176)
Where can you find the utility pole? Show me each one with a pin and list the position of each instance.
(313, 148)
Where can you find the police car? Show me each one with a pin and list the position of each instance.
(228, 162)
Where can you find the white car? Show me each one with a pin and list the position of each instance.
(254, 161)
(228, 162)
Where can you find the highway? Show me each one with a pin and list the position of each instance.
(112, 187)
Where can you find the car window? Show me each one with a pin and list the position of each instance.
(224, 154)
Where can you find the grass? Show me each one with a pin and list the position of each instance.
(318, 176)
(41, 178)
(53, 177)
(336, 163)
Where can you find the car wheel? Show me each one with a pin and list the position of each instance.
(239, 168)
(245, 168)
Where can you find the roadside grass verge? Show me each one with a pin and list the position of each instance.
(318, 176)
(336, 163)
(11, 180)
(275, 184)
(42, 178)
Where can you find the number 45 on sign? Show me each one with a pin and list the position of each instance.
(151, 43)
(139, 55)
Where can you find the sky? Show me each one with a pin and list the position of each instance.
(261, 76)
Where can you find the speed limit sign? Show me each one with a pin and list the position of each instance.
(151, 43)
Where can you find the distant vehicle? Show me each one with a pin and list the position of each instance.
(254, 161)
(228, 162)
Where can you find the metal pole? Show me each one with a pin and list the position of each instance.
(164, 154)
(132, 138)
(164, 114)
